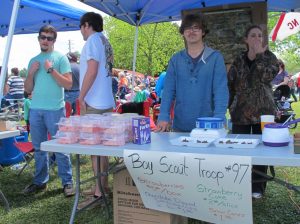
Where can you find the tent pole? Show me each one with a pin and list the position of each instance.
(10, 34)
(134, 55)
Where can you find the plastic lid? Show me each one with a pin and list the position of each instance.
(209, 119)
(275, 125)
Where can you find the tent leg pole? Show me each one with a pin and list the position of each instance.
(11, 29)
(134, 55)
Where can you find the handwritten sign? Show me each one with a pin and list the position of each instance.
(211, 188)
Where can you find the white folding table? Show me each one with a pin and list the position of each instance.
(261, 155)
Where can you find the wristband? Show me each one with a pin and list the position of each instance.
(50, 70)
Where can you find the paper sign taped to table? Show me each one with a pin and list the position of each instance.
(212, 188)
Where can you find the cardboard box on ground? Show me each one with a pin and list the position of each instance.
(129, 207)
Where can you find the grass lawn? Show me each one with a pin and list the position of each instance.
(279, 206)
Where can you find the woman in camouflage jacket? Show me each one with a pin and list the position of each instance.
(250, 89)
(249, 83)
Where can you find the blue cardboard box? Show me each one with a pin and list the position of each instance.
(141, 130)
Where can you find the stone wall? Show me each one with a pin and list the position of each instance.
(228, 23)
(226, 32)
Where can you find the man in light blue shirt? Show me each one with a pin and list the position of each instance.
(196, 80)
(48, 74)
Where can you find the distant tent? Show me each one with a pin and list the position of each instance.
(32, 14)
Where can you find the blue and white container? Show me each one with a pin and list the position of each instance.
(141, 130)
(209, 123)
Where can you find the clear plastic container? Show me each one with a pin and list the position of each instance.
(65, 137)
(113, 140)
(115, 134)
(113, 114)
(114, 129)
(69, 124)
(110, 129)
(89, 138)
(89, 124)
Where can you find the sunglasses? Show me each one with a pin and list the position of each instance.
(42, 37)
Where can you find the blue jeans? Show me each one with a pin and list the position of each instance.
(43, 122)
(71, 98)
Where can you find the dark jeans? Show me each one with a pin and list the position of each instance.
(27, 126)
(293, 95)
(259, 184)
(298, 91)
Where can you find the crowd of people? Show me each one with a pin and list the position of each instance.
(196, 83)
(287, 83)
(128, 87)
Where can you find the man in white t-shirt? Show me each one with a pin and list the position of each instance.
(96, 63)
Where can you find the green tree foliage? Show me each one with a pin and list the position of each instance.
(156, 44)
(288, 49)
(23, 73)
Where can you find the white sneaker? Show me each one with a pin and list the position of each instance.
(256, 195)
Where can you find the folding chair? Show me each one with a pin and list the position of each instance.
(68, 107)
(3, 198)
(28, 154)
(27, 149)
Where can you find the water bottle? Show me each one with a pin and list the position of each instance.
(17, 166)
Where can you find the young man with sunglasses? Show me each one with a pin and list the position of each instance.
(196, 80)
(48, 74)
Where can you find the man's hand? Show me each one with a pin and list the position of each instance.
(35, 66)
(163, 126)
(48, 64)
(82, 104)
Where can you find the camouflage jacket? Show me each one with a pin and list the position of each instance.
(250, 90)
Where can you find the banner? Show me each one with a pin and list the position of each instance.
(212, 188)
(287, 25)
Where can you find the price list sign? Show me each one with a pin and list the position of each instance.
(212, 188)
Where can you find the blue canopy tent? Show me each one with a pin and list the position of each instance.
(139, 12)
(27, 16)
(32, 14)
